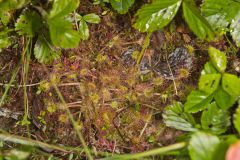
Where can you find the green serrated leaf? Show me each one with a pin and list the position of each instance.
(5, 17)
(92, 18)
(7, 5)
(223, 99)
(175, 117)
(44, 51)
(209, 69)
(218, 59)
(28, 24)
(231, 84)
(224, 9)
(156, 15)
(215, 120)
(197, 101)
(197, 23)
(4, 40)
(121, 6)
(62, 34)
(209, 82)
(235, 29)
(236, 119)
(83, 30)
(219, 13)
(62, 8)
(202, 146)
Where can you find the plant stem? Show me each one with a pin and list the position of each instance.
(153, 152)
(145, 46)
(28, 142)
(15, 71)
(25, 80)
(173, 79)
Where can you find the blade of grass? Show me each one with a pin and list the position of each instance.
(145, 46)
(6, 137)
(158, 151)
(29, 142)
(15, 71)
(25, 120)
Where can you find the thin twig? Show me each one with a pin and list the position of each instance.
(145, 126)
(173, 79)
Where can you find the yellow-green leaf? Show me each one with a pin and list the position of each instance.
(197, 101)
(202, 146)
(44, 51)
(215, 120)
(209, 82)
(62, 34)
(236, 119)
(92, 18)
(62, 8)
(218, 59)
(231, 84)
(83, 30)
(121, 6)
(197, 23)
(223, 99)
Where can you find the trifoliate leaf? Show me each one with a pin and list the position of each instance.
(218, 59)
(62, 34)
(156, 15)
(175, 117)
(121, 6)
(44, 51)
(235, 29)
(62, 8)
(223, 99)
(83, 30)
(209, 69)
(231, 84)
(209, 82)
(28, 24)
(215, 120)
(197, 101)
(202, 146)
(92, 18)
(236, 119)
(197, 23)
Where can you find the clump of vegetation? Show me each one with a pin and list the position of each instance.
(50, 23)
(217, 93)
